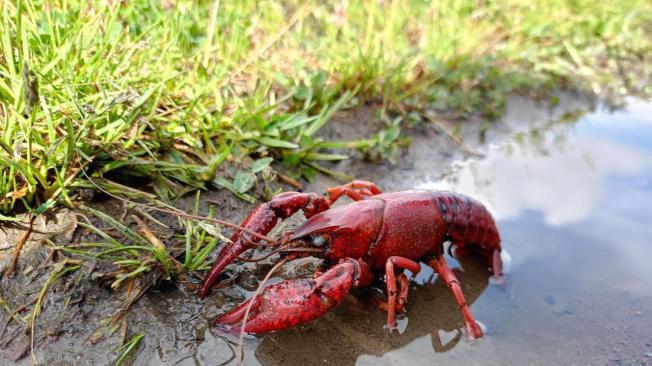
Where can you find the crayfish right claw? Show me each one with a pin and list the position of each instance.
(278, 307)
(293, 302)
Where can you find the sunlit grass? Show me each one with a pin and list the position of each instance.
(170, 91)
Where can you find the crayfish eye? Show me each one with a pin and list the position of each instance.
(318, 240)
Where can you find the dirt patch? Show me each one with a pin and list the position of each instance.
(56, 225)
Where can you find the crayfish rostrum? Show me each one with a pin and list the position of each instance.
(379, 233)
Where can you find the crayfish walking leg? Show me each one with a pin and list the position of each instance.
(399, 262)
(356, 190)
(439, 264)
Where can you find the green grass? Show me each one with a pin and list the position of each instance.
(129, 346)
(132, 253)
(187, 94)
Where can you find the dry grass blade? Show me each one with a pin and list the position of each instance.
(131, 300)
(443, 126)
(156, 242)
(251, 303)
(19, 246)
(160, 248)
(178, 212)
(59, 271)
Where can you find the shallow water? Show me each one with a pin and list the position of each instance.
(573, 202)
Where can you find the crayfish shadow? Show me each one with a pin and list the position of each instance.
(356, 327)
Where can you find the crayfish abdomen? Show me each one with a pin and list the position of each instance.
(470, 228)
(468, 220)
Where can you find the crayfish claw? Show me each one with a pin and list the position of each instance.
(262, 220)
(292, 302)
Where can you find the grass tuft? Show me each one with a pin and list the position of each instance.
(170, 91)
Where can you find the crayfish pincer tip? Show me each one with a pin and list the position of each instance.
(203, 291)
(226, 328)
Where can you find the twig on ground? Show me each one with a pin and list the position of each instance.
(251, 302)
(19, 246)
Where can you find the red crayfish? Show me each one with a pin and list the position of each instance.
(377, 233)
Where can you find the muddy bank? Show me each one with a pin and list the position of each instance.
(75, 324)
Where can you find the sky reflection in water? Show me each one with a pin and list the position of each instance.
(593, 177)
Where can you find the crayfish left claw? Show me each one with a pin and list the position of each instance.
(262, 220)
(294, 302)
